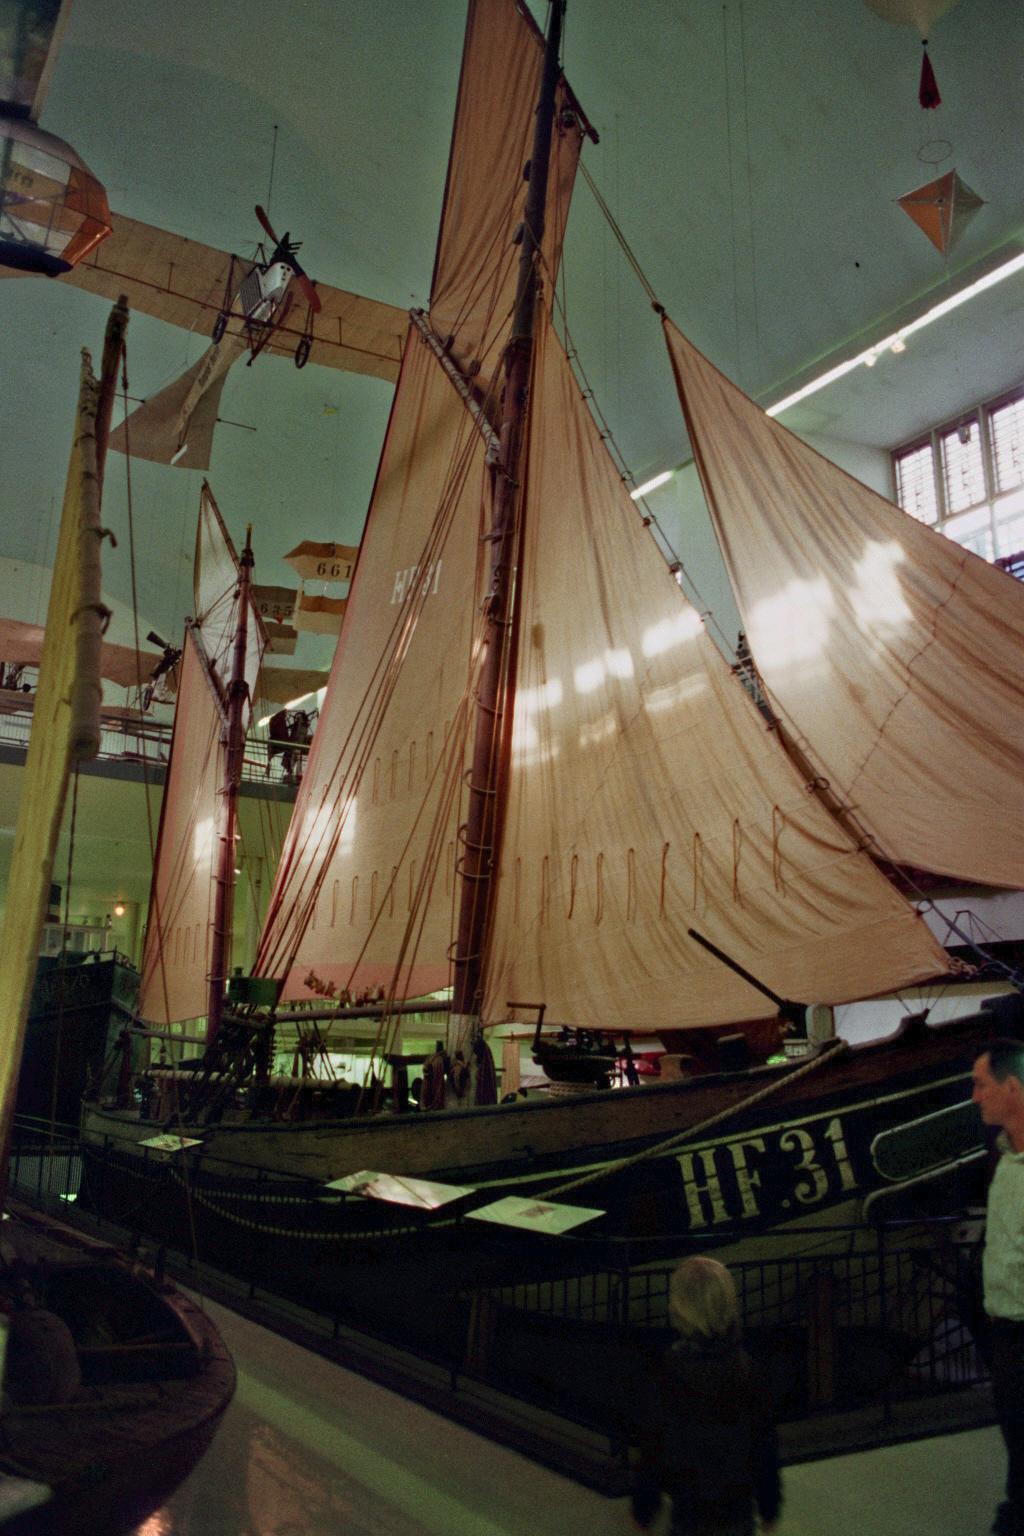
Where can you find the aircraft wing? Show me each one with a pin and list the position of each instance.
(22, 644)
(183, 282)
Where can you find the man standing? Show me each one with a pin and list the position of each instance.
(999, 1094)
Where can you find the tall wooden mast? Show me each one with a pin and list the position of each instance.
(224, 890)
(484, 818)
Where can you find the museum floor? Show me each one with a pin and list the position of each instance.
(311, 1449)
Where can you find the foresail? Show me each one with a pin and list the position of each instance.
(648, 795)
(891, 653)
(476, 263)
(372, 841)
(176, 958)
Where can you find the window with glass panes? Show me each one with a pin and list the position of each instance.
(966, 478)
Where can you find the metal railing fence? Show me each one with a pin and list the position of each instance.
(839, 1317)
(149, 741)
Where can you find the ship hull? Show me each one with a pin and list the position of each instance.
(800, 1156)
(75, 1016)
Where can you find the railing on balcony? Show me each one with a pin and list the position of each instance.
(127, 736)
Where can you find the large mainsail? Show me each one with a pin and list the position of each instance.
(378, 809)
(891, 653)
(647, 794)
(365, 854)
(176, 958)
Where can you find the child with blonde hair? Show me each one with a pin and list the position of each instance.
(708, 1439)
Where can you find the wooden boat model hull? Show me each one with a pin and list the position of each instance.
(149, 1402)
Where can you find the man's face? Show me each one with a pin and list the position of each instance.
(995, 1100)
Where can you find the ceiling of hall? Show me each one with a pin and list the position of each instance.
(751, 151)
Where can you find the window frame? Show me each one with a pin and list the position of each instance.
(979, 415)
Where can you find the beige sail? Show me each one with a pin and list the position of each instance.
(476, 264)
(647, 793)
(381, 786)
(892, 653)
(176, 425)
(176, 957)
(215, 597)
(65, 724)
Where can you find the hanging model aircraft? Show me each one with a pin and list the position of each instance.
(54, 214)
(264, 295)
(192, 285)
(253, 310)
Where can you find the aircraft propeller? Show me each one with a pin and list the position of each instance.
(284, 250)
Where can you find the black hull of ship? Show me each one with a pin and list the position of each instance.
(799, 1158)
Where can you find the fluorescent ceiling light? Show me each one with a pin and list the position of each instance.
(290, 705)
(869, 357)
(897, 341)
(652, 485)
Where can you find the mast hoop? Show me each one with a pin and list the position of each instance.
(472, 848)
(495, 711)
(480, 789)
(456, 959)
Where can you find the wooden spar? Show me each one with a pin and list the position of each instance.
(484, 817)
(358, 1011)
(793, 1011)
(113, 352)
(224, 890)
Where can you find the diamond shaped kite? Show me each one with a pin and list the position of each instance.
(942, 208)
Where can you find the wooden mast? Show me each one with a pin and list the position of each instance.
(482, 829)
(224, 889)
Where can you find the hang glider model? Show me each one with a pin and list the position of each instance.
(200, 288)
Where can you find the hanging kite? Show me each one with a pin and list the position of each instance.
(919, 14)
(942, 208)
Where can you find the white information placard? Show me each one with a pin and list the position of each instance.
(534, 1215)
(393, 1189)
